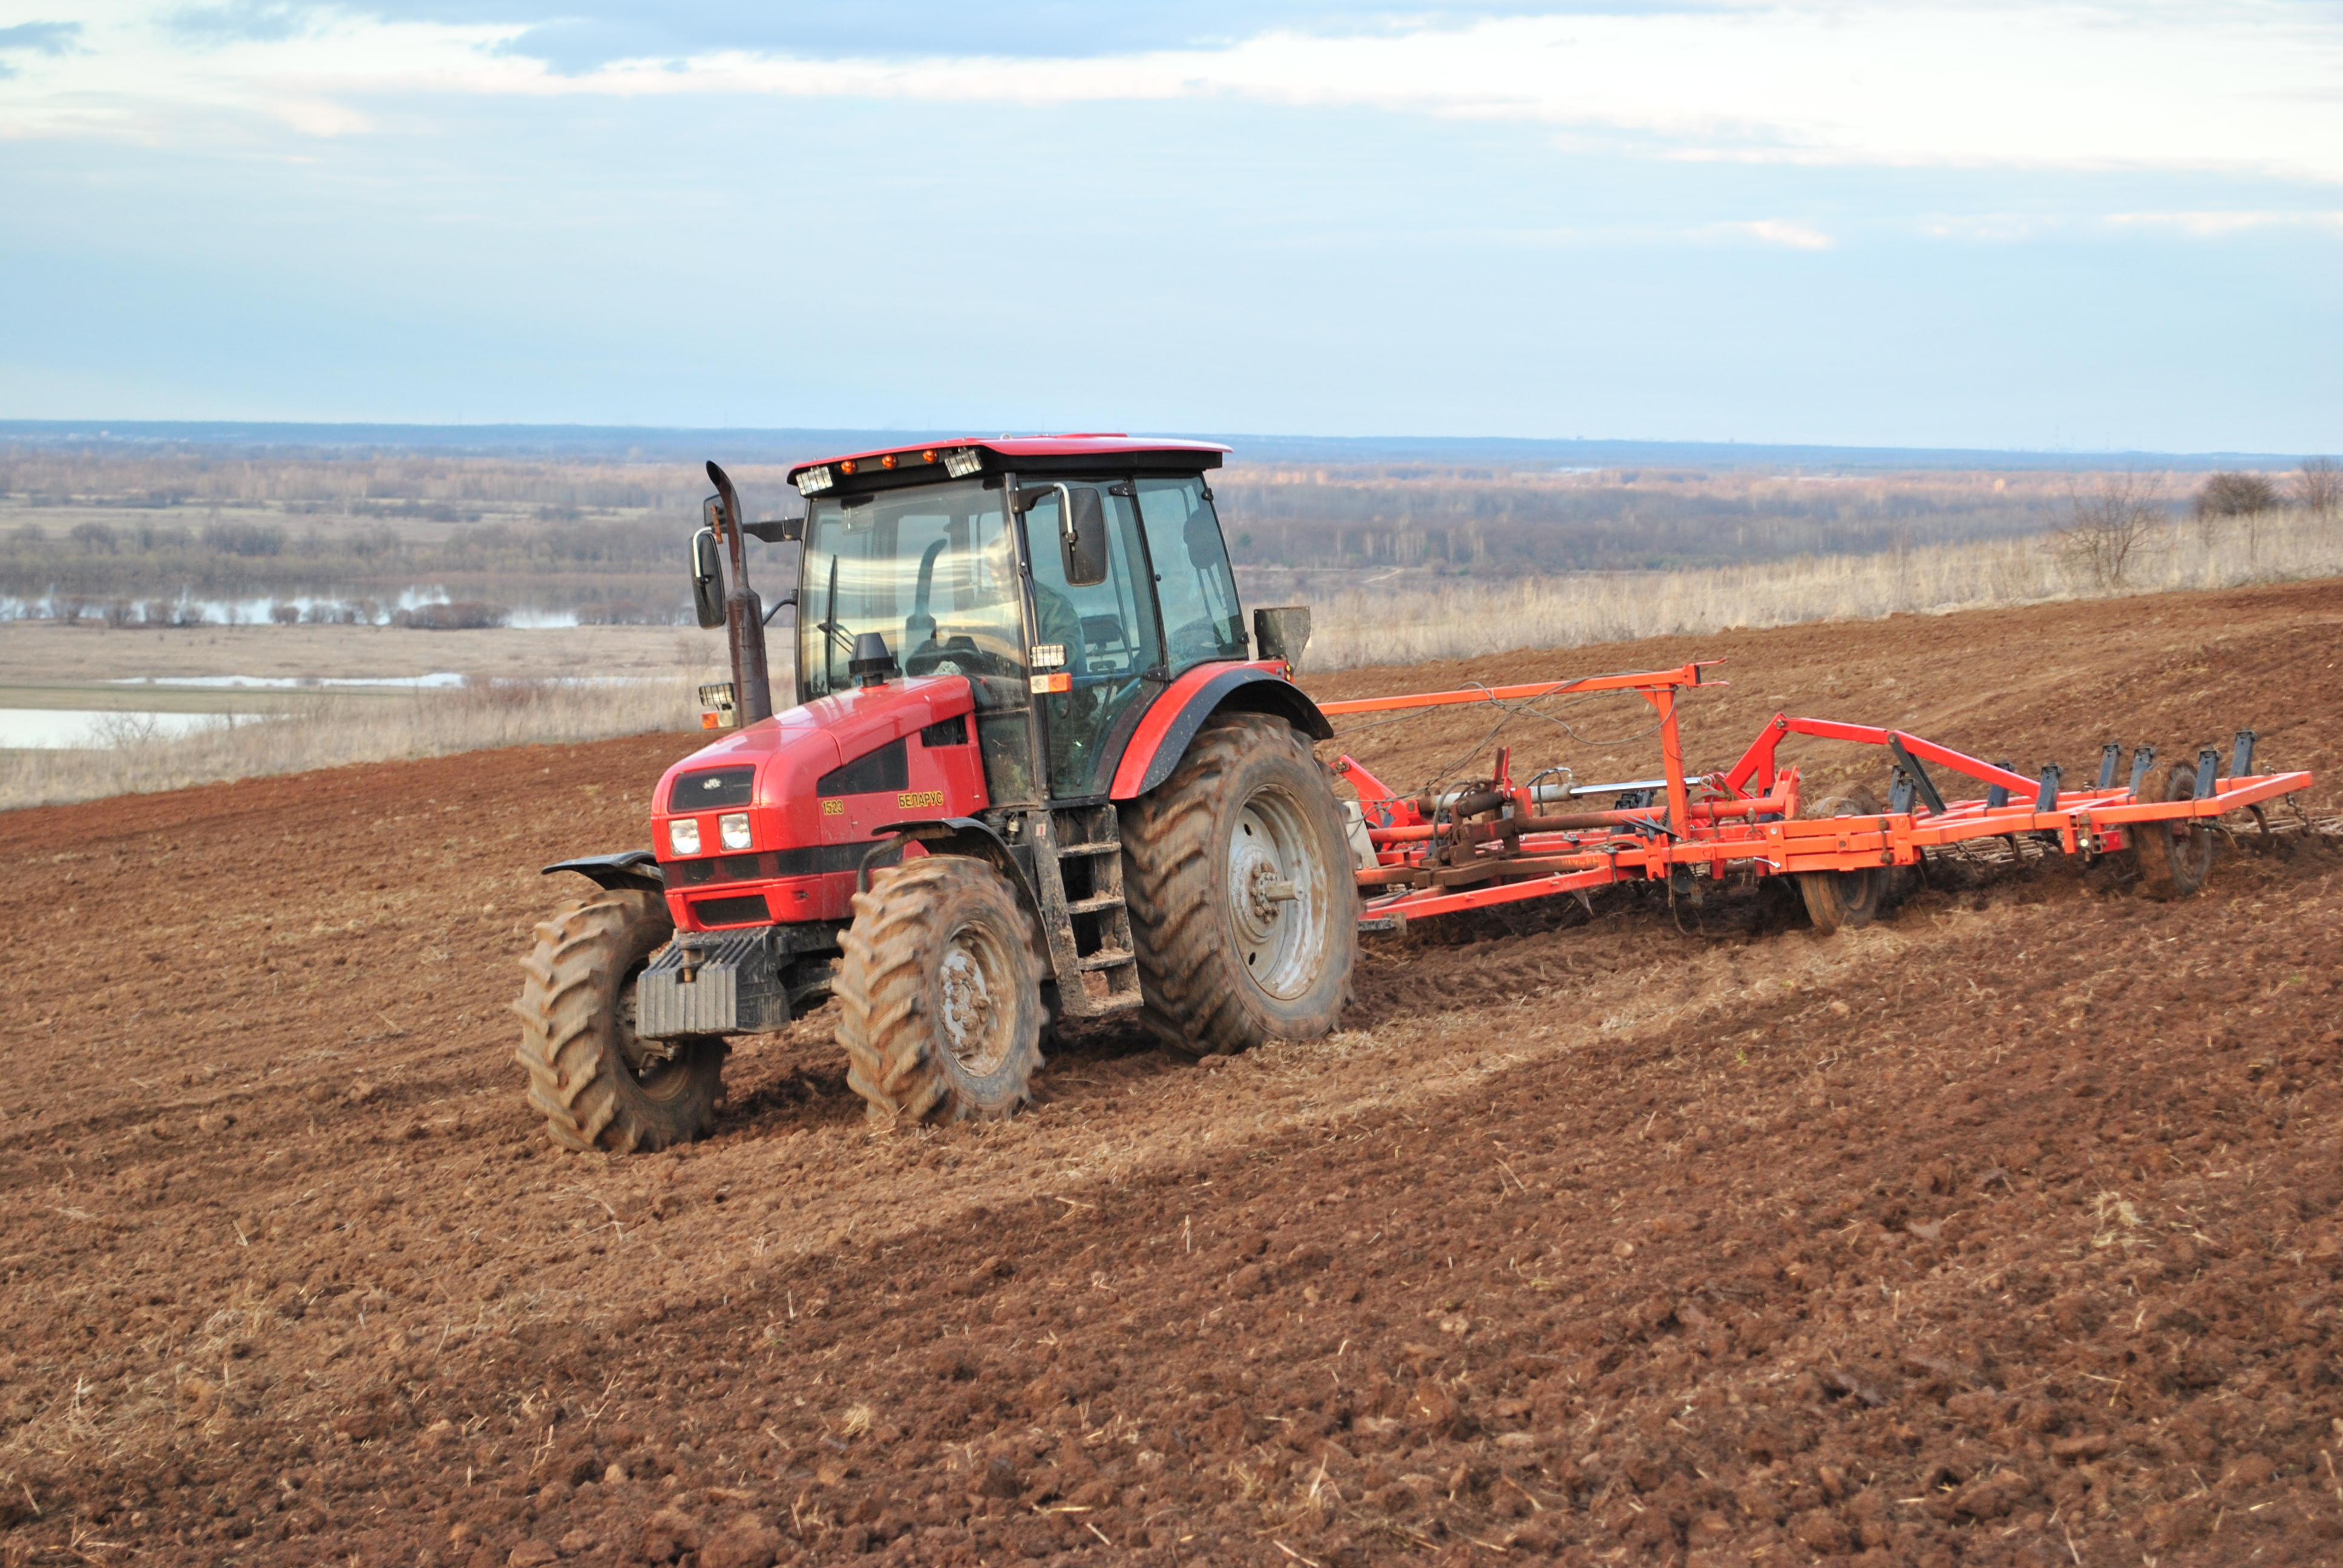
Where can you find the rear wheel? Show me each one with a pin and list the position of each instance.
(939, 995)
(1243, 906)
(2175, 857)
(596, 1083)
(1843, 899)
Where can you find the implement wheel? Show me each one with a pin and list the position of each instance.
(597, 1084)
(2175, 857)
(939, 997)
(1242, 908)
(1843, 899)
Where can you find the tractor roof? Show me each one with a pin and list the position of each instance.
(926, 462)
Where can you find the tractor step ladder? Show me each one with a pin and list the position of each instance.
(1105, 980)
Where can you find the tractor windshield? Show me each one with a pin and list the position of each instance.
(930, 571)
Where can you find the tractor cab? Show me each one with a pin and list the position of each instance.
(1036, 769)
(1065, 586)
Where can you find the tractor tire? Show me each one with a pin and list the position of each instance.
(1843, 899)
(596, 1085)
(1228, 957)
(939, 995)
(2175, 858)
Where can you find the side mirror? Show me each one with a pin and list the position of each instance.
(707, 580)
(1084, 536)
(1282, 633)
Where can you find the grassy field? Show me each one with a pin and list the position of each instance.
(40, 653)
(514, 687)
(1371, 624)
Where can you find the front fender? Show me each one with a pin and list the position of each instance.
(628, 869)
(975, 838)
(1162, 738)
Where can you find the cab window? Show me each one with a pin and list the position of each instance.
(1201, 619)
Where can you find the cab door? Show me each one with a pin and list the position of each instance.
(1095, 643)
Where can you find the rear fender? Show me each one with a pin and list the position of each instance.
(629, 868)
(1163, 736)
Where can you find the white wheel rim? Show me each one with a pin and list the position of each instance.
(1277, 895)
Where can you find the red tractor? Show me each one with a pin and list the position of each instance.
(1035, 769)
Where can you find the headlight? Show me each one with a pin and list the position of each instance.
(733, 828)
(683, 835)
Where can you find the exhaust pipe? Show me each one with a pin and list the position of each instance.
(744, 615)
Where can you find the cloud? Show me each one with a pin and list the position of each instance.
(1989, 228)
(2215, 225)
(1773, 231)
(2226, 85)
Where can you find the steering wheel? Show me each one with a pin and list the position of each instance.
(958, 656)
(1196, 637)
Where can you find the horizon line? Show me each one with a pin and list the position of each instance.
(574, 438)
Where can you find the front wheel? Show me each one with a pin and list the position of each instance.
(939, 995)
(596, 1083)
(1243, 906)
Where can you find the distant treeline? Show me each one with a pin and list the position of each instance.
(568, 566)
(1633, 519)
(402, 487)
(606, 540)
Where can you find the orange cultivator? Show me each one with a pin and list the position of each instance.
(1497, 841)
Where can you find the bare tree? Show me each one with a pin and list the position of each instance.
(2319, 486)
(2113, 527)
(2236, 496)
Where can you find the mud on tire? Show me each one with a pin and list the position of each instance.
(1843, 899)
(939, 995)
(1225, 960)
(2175, 857)
(597, 1085)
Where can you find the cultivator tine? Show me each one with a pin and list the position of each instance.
(1998, 796)
(1909, 765)
(2047, 799)
(2141, 761)
(2110, 759)
(2241, 758)
(2209, 762)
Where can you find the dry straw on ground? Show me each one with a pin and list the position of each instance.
(1471, 620)
(1354, 628)
(332, 731)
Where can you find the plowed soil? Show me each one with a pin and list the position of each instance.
(2003, 1230)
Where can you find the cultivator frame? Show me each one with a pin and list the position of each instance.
(1498, 841)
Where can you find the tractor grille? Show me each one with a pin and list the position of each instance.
(750, 910)
(723, 869)
(811, 861)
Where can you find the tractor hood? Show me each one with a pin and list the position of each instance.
(793, 750)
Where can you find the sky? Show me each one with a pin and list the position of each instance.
(2036, 225)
